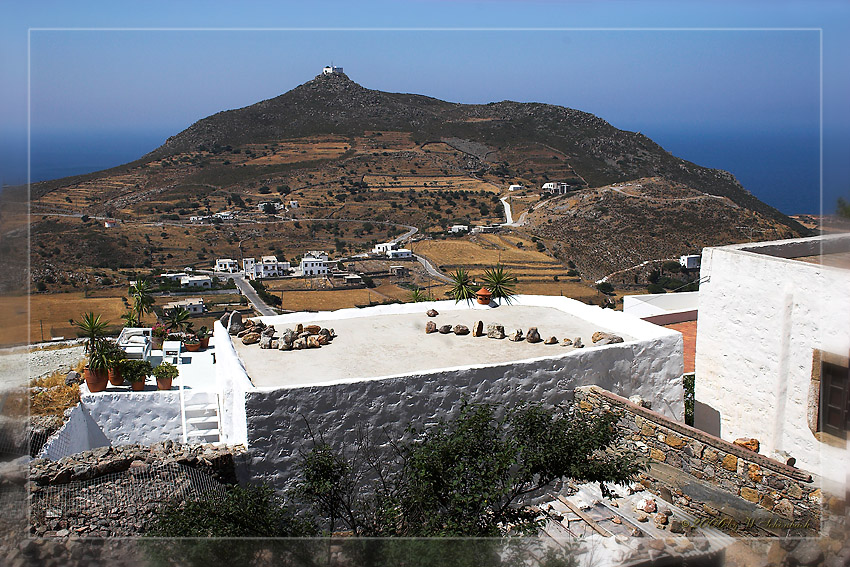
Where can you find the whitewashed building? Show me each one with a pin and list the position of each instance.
(110, 223)
(384, 247)
(196, 281)
(293, 204)
(228, 265)
(314, 263)
(690, 262)
(456, 228)
(331, 70)
(194, 305)
(267, 267)
(556, 188)
(173, 276)
(400, 254)
(516, 188)
(772, 346)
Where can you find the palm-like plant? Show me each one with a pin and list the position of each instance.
(417, 295)
(142, 299)
(177, 319)
(93, 328)
(500, 282)
(463, 288)
(130, 318)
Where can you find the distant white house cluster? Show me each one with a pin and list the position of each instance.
(392, 251)
(187, 280)
(267, 267)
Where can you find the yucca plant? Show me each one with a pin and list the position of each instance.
(463, 288)
(500, 282)
(176, 319)
(93, 328)
(417, 295)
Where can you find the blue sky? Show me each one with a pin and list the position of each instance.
(671, 85)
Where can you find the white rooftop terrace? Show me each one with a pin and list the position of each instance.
(390, 340)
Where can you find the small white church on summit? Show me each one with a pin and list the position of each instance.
(331, 70)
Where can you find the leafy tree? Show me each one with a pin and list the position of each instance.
(469, 477)
(463, 288)
(93, 328)
(143, 300)
(500, 282)
(605, 287)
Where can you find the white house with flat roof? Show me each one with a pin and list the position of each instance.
(556, 188)
(196, 281)
(194, 305)
(267, 267)
(384, 247)
(314, 263)
(228, 265)
(400, 254)
(772, 348)
(173, 276)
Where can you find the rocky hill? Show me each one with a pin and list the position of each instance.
(348, 154)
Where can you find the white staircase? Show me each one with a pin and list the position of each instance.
(202, 422)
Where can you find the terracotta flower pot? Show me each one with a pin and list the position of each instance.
(115, 377)
(156, 343)
(192, 347)
(163, 384)
(205, 342)
(96, 380)
(137, 386)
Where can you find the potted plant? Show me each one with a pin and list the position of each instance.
(191, 343)
(203, 335)
(96, 372)
(136, 372)
(165, 373)
(158, 333)
(116, 357)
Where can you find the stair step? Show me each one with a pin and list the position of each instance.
(202, 419)
(202, 432)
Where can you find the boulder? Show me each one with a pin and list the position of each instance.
(747, 443)
(430, 327)
(445, 329)
(431, 313)
(461, 330)
(577, 343)
(567, 342)
(332, 332)
(251, 338)
(325, 333)
(234, 323)
(275, 343)
(283, 345)
(313, 342)
(289, 336)
(516, 336)
(249, 324)
(533, 336)
(303, 335)
(299, 329)
(647, 505)
(265, 342)
(72, 378)
(478, 329)
(242, 333)
(551, 341)
(495, 331)
(299, 344)
(323, 339)
(268, 331)
(224, 319)
(603, 336)
(313, 329)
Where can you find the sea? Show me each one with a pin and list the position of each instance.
(781, 170)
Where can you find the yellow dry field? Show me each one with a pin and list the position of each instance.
(328, 300)
(469, 253)
(52, 312)
(292, 152)
(437, 182)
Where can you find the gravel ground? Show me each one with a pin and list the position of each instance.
(18, 365)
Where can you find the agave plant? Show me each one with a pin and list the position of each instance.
(177, 319)
(500, 282)
(93, 328)
(463, 288)
(417, 295)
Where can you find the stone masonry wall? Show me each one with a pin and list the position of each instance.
(778, 488)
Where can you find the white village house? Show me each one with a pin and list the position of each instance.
(384, 247)
(267, 267)
(173, 276)
(196, 281)
(228, 265)
(194, 305)
(556, 188)
(400, 254)
(314, 263)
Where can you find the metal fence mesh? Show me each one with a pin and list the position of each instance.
(117, 504)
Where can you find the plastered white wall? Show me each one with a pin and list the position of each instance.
(650, 304)
(278, 418)
(127, 418)
(78, 434)
(234, 382)
(760, 318)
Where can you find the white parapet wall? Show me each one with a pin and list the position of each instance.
(655, 304)
(762, 315)
(279, 419)
(234, 383)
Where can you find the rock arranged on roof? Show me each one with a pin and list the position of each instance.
(257, 332)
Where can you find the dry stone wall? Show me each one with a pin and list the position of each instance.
(776, 487)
